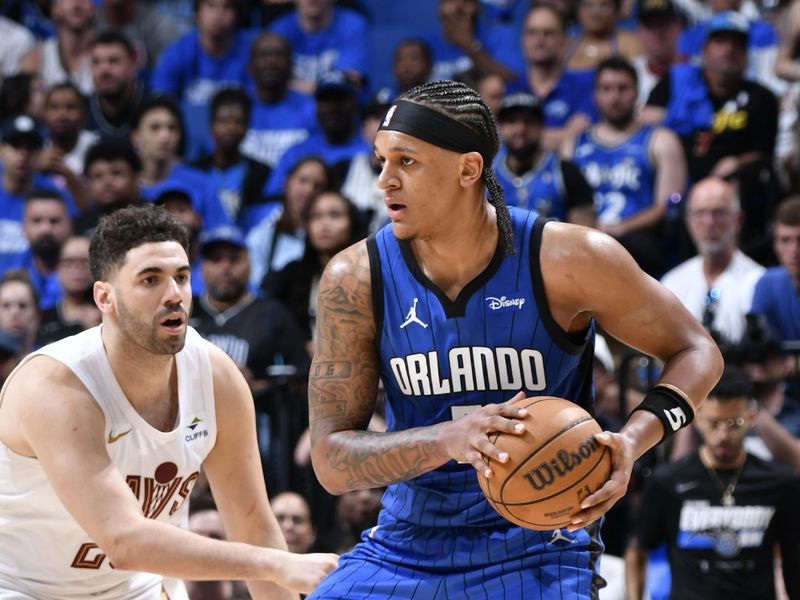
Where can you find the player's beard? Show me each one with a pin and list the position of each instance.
(144, 334)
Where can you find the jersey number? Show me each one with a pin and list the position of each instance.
(609, 207)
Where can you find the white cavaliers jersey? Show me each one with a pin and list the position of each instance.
(44, 553)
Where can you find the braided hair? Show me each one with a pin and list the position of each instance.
(462, 103)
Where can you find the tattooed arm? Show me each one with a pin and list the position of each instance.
(343, 385)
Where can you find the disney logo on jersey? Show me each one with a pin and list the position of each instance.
(505, 302)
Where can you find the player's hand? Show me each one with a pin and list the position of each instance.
(622, 459)
(467, 439)
(304, 572)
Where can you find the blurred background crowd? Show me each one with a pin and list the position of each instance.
(671, 125)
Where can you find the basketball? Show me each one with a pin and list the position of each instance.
(552, 466)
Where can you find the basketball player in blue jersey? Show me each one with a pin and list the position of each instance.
(459, 306)
(634, 168)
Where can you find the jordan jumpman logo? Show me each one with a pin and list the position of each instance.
(411, 317)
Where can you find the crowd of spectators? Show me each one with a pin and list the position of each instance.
(671, 125)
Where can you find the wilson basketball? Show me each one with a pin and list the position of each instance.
(551, 467)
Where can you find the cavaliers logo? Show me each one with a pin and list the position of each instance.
(165, 488)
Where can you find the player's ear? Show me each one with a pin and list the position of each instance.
(471, 164)
(103, 292)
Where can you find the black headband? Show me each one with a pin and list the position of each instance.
(435, 128)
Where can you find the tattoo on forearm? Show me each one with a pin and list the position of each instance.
(331, 369)
(343, 385)
(367, 459)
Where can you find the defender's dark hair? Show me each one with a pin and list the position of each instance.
(616, 63)
(733, 384)
(129, 228)
(231, 96)
(460, 102)
(110, 149)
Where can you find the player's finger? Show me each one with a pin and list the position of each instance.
(516, 398)
(487, 448)
(608, 490)
(476, 459)
(498, 423)
(509, 409)
(586, 517)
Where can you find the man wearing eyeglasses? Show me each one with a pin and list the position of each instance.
(716, 285)
(720, 510)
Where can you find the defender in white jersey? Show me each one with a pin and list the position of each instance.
(102, 436)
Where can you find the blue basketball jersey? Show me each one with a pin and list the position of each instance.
(542, 188)
(439, 356)
(437, 537)
(623, 176)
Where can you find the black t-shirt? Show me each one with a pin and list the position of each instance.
(53, 327)
(745, 121)
(578, 191)
(723, 552)
(258, 334)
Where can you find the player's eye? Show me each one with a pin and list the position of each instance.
(407, 161)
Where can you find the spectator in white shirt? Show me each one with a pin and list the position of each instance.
(716, 285)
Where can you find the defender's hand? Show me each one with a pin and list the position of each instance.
(622, 458)
(467, 439)
(304, 572)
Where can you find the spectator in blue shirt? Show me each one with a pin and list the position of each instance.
(281, 117)
(47, 225)
(777, 294)
(566, 96)
(157, 135)
(340, 139)
(193, 68)
(325, 37)
(535, 178)
(464, 45)
(762, 45)
(412, 66)
(776, 300)
(240, 180)
(20, 148)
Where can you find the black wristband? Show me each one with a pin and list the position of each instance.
(670, 407)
